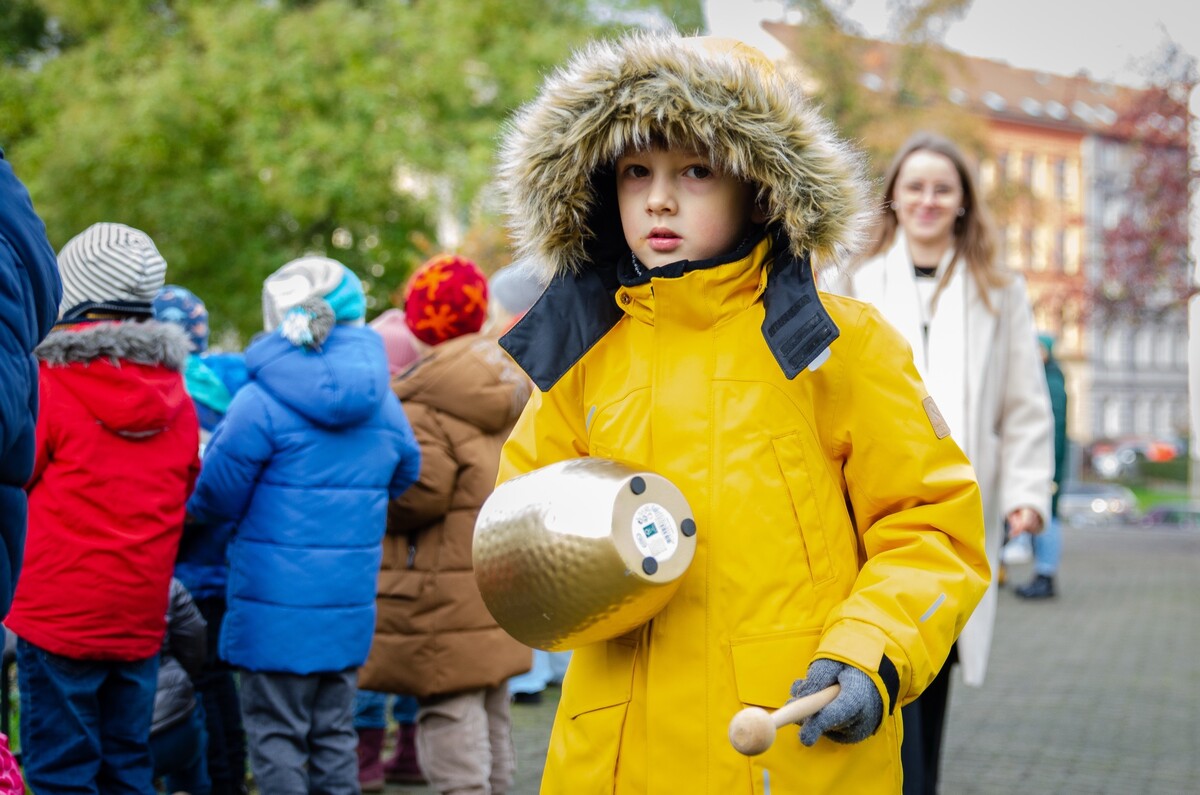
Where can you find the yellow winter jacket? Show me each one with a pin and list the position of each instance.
(832, 522)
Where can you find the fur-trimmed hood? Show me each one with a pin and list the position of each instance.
(128, 374)
(148, 342)
(717, 96)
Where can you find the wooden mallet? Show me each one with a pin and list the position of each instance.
(753, 729)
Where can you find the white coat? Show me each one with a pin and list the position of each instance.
(982, 367)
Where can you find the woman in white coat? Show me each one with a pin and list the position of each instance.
(931, 271)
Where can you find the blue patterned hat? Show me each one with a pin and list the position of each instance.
(179, 305)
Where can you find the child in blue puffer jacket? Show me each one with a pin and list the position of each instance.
(308, 456)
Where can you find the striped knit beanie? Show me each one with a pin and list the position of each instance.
(110, 264)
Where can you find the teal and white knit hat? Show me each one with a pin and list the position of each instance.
(310, 277)
(307, 296)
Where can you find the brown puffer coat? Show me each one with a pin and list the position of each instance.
(433, 634)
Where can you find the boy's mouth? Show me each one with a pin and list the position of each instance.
(661, 239)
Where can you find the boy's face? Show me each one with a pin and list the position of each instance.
(675, 206)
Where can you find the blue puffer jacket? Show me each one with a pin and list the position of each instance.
(304, 464)
(29, 294)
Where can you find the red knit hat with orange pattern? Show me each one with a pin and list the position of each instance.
(446, 298)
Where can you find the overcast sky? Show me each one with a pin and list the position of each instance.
(1106, 37)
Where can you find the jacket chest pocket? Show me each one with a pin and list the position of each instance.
(814, 500)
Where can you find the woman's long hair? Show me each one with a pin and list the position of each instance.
(974, 233)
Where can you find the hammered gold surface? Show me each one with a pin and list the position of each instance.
(554, 557)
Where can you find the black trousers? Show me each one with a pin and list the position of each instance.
(217, 689)
(924, 721)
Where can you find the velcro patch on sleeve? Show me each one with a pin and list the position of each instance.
(935, 418)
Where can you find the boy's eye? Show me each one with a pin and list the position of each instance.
(698, 172)
(635, 170)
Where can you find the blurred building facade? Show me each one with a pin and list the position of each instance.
(1056, 179)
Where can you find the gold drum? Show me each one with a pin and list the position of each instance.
(581, 551)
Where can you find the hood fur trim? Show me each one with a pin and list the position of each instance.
(717, 96)
(149, 342)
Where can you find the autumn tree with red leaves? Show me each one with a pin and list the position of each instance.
(1145, 271)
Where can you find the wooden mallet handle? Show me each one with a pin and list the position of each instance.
(753, 729)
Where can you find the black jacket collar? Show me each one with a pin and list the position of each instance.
(577, 310)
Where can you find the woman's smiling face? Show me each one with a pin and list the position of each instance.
(927, 194)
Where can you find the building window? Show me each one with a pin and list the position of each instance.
(1114, 340)
(1112, 418)
(1027, 247)
(1060, 178)
(1059, 257)
(1143, 415)
(1166, 419)
(1043, 316)
(1072, 337)
(1037, 261)
(1071, 251)
(1027, 170)
(1001, 168)
(1143, 345)
(1164, 352)
(1112, 212)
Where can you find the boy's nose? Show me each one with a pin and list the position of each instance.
(661, 198)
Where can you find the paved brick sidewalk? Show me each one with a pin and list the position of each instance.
(1096, 692)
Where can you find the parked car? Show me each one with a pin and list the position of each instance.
(1120, 459)
(1173, 516)
(1085, 504)
(1115, 461)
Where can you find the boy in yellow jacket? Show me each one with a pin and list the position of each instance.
(680, 191)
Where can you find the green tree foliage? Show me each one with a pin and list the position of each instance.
(242, 134)
(23, 31)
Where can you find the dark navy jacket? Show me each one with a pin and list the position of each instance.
(29, 294)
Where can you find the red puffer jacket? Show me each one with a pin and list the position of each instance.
(117, 443)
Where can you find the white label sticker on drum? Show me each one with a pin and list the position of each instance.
(654, 531)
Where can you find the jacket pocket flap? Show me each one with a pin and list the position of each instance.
(765, 666)
(600, 676)
(400, 584)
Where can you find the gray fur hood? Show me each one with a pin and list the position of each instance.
(137, 402)
(147, 342)
(717, 96)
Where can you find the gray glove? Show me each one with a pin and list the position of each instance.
(851, 717)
